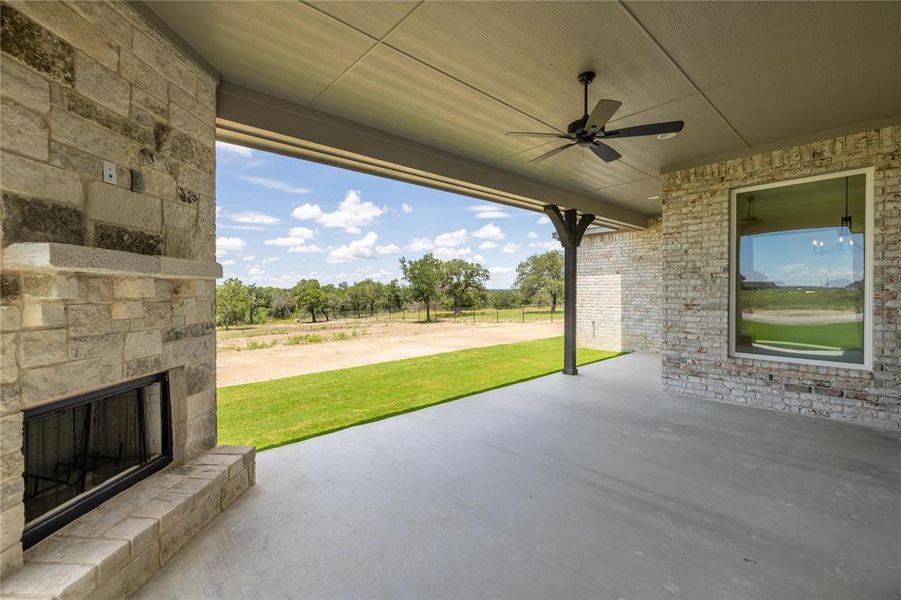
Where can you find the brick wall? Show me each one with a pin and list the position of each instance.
(696, 286)
(84, 83)
(619, 291)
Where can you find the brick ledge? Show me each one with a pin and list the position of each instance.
(114, 549)
(48, 256)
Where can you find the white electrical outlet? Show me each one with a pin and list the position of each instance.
(109, 172)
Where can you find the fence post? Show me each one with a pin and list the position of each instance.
(473, 314)
(497, 315)
(552, 315)
(523, 313)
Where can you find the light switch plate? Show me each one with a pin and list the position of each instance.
(137, 181)
(109, 172)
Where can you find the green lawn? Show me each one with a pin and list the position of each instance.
(278, 412)
(810, 299)
(847, 336)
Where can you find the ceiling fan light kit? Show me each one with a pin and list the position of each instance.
(589, 130)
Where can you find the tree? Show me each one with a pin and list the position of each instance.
(309, 295)
(258, 298)
(332, 300)
(424, 276)
(464, 282)
(503, 298)
(541, 273)
(370, 293)
(232, 302)
(282, 305)
(393, 296)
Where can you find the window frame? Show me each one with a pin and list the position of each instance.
(867, 365)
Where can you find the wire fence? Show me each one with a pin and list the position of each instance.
(532, 313)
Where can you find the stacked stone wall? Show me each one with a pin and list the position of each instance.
(82, 83)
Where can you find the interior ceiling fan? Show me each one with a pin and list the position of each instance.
(588, 131)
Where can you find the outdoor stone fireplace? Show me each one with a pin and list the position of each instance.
(82, 451)
(107, 336)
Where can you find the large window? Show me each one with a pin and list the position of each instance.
(800, 276)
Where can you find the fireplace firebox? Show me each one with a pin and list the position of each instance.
(81, 451)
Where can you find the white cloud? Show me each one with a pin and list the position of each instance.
(226, 263)
(446, 253)
(451, 239)
(364, 247)
(249, 257)
(352, 213)
(306, 212)
(489, 232)
(225, 245)
(270, 259)
(488, 245)
(253, 217)
(548, 245)
(478, 258)
(255, 271)
(275, 184)
(302, 232)
(533, 235)
(241, 227)
(298, 236)
(420, 245)
(406, 208)
(486, 211)
(357, 274)
(510, 248)
(501, 277)
(307, 249)
(543, 220)
(234, 149)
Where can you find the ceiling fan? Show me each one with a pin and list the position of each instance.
(588, 131)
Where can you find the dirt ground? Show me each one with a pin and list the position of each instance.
(372, 343)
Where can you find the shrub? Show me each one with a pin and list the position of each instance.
(310, 338)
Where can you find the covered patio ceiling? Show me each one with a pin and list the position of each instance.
(430, 88)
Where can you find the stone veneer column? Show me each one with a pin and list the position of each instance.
(696, 286)
(84, 83)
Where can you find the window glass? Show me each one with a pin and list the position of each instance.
(799, 274)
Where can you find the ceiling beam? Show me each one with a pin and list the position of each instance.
(256, 119)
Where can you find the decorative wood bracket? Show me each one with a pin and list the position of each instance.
(570, 229)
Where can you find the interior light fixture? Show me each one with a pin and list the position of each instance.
(666, 136)
(842, 237)
(653, 197)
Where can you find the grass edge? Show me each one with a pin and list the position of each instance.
(428, 405)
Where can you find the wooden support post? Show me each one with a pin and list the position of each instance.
(570, 229)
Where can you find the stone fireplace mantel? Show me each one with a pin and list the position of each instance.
(38, 256)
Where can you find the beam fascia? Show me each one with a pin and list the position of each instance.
(265, 122)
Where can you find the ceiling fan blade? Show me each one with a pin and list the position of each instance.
(536, 134)
(650, 129)
(601, 113)
(547, 155)
(604, 152)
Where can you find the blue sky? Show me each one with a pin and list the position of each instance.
(788, 257)
(281, 219)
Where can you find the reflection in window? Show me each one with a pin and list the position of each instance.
(799, 278)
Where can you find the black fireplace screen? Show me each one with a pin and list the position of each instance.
(81, 451)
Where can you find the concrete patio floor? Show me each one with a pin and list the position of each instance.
(594, 486)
